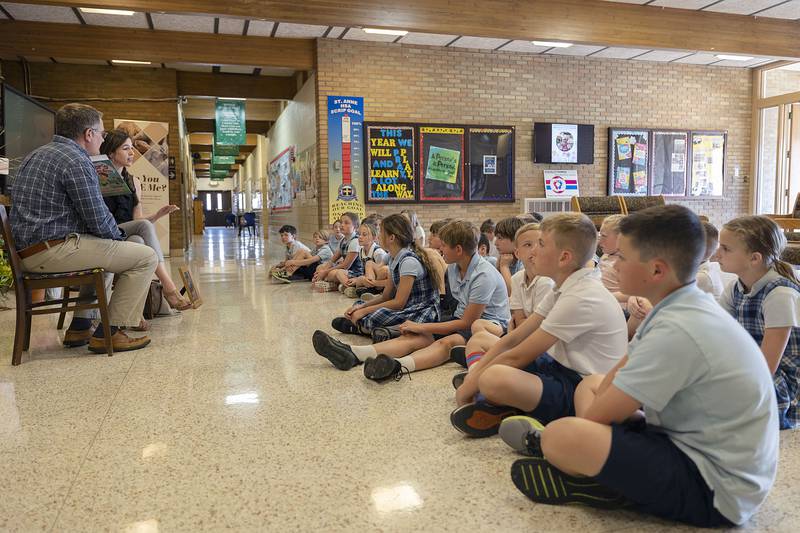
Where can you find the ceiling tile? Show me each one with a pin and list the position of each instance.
(236, 69)
(3, 16)
(525, 47)
(742, 7)
(620, 53)
(335, 32)
(478, 42)
(41, 13)
(357, 34)
(784, 11)
(430, 39)
(277, 71)
(701, 58)
(286, 29)
(575, 50)
(628, 1)
(743, 64)
(661, 55)
(260, 28)
(190, 67)
(137, 20)
(231, 26)
(163, 21)
(682, 4)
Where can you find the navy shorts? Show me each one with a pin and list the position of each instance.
(466, 333)
(646, 467)
(305, 271)
(558, 389)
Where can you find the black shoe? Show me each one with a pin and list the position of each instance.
(343, 325)
(458, 354)
(543, 483)
(382, 368)
(381, 334)
(480, 419)
(458, 379)
(338, 353)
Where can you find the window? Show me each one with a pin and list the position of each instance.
(209, 207)
(781, 80)
(219, 201)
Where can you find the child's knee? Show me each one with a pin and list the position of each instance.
(557, 436)
(494, 379)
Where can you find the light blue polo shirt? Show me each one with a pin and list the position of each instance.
(483, 284)
(704, 382)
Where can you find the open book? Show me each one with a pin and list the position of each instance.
(111, 182)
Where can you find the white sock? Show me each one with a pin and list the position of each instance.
(408, 363)
(364, 352)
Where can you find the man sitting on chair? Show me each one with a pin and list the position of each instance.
(61, 224)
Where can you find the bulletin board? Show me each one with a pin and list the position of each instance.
(628, 161)
(708, 162)
(442, 163)
(668, 164)
(491, 163)
(390, 153)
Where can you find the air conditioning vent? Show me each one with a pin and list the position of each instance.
(547, 206)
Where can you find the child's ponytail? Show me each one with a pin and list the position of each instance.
(763, 235)
(400, 227)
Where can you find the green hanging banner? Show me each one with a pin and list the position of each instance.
(225, 150)
(223, 160)
(230, 122)
(218, 174)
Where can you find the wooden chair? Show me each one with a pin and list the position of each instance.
(789, 222)
(631, 204)
(25, 282)
(598, 208)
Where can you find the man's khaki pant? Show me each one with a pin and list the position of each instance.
(133, 263)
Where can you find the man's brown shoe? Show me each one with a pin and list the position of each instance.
(120, 342)
(74, 338)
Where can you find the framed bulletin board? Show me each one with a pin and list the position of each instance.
(390, 173)
(442, 163)
(708, 162)
(668, 164)
(628, 161)
(491, 163)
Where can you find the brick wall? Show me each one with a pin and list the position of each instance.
(416, 83)
(81, 83)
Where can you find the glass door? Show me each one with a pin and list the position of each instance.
(778, 159)
(768, 160)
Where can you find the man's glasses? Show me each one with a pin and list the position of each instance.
(103, 133)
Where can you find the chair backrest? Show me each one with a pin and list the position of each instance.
(597, 208)
(250, 219)
(796, 210)
(11, 253)
(637, 203)
(230, 218)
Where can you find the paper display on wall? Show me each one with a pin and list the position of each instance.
(560, 183)
(281, 190)
(443, 164)
(564, 143)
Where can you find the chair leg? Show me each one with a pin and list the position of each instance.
(100, 289)
(19, 334)
(28, 319)
(63, 314)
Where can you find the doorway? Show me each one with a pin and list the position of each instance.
(216, 206)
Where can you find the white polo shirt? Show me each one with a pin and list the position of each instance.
(526, 296)
(588, 322)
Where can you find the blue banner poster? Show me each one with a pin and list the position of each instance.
(345, 156)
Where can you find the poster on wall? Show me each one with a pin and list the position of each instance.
(281, 188)
(441, 163)
(305, 174)
(491, 163)
(564, 143)
(668, 163)
(151, 167)
(345, 156)
(390, 154)
(708, 163)
(561, 183)
(628, 160)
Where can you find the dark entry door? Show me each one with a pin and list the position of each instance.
(216, 205)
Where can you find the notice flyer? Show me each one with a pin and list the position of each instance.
(623, 179)
(443, 164)
(623, 148)
(111, 182)
(640, 154)
(564, 143)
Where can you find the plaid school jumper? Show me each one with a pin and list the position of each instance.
(749, 312)
(357, 268)
(422, 305)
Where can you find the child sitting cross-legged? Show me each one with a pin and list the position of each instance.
(766, 302)
(412, 294)
(706, 451)
(709, 278)
(294, 249)
(370, 252)
(578, 330)
(303, 265)
(476, 286)
(508, 264)
(345, 262)
(483, 250)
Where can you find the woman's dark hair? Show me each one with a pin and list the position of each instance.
(114, 139)
(400, 226)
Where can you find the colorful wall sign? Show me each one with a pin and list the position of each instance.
(345, 156)
(390, 158)
(230, 122)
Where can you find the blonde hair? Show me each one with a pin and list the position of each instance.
(574, 232)
(762, 235)
(460, 233)
(531, 226)
(322, 234)
(612, 222)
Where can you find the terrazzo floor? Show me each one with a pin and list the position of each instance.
(230, 421)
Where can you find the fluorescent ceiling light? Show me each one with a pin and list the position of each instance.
(230, 98)
(552, 44)
(385, 32)
(734, 58)
(98, 11)
(129, 62)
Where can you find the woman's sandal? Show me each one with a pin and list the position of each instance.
(175, 301)
(144, 325)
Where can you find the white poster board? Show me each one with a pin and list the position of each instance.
(561, 183)
(564, 143)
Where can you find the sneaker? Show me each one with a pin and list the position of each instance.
(367, 296)
(338, 353)
(343, 325)
(523, 434)
(341, 286)
(543, 483)
(458, 354)
(458, 379)
(381, 334)
(281, 275)
(383, 367)
(325, 286)
(351, 292)
(480, 419)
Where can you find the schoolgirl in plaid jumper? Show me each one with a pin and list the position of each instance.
(766, 302)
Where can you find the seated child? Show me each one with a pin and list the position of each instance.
(335, 237)
(370, 252)
(294, 249)
(607, 239)
(483, 250)
(706, 452)
(419, 231)
(578, 330)
(345, 259)
(766, 302)
(487, 229)
(709, 278)
(305, 264)
(448, 304)
(507, 264)
(477, 287)
(413, 290)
